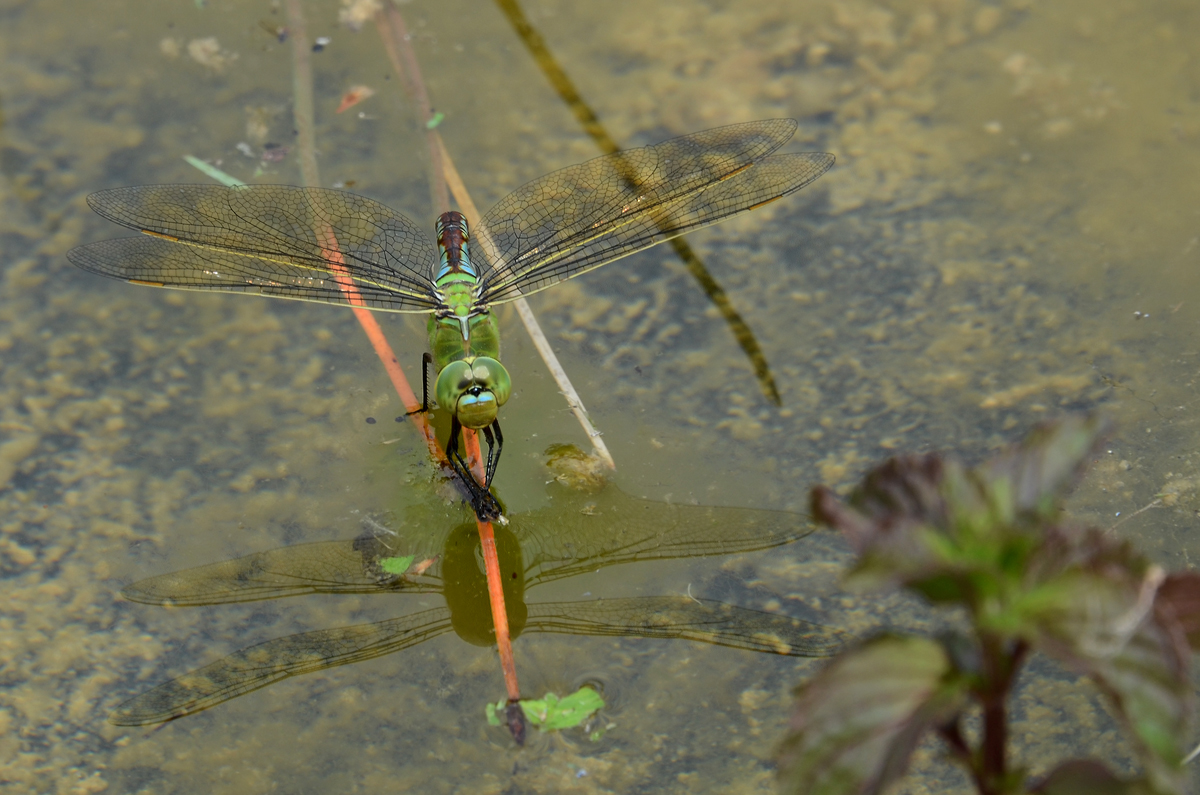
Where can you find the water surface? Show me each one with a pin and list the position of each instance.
(1012, 230)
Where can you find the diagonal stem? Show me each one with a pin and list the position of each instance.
(396, 41)
(590, 122)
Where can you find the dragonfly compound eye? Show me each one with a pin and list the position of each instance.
(452, 382)
(491, 375)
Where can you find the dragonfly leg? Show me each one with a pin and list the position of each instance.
(426, 361)
(485, 505)
(492, 461)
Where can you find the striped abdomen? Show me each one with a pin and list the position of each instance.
(452, 239)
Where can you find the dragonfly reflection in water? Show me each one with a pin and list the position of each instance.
(338, 248)
(537, 547)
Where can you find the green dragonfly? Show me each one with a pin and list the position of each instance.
(577, 534)
(333, 247)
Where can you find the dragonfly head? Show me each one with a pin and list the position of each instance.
(474, 389)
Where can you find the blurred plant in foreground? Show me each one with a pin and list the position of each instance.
(993, 540)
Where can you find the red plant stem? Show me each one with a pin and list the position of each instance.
(306, 143)
(397, 43)
(1000, 666)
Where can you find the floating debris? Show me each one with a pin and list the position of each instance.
(355, 95)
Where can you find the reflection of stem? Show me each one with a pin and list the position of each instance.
(590, 122)
(397, 42)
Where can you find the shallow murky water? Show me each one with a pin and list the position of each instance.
(1012, 230)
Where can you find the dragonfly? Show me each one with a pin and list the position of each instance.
(333, 247)
(577, 534)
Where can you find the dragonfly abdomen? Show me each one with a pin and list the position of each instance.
(455, 258)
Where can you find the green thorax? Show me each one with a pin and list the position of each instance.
(447, 344)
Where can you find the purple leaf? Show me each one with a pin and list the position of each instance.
(1178, 600)
(1037, 472)
(856, 723)
(894, 497)
(1108, 626)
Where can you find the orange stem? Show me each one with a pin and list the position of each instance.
(303, 113)
(394, 34)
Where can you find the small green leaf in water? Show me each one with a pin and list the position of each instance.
(552, 713)
(435, 120)
(492, 712)
(213, 172)
(397, 565)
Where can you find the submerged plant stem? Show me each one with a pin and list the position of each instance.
(394, 33)
(587, 118)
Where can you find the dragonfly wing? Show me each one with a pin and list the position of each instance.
(303, 243)
(266, 663)
(617, 528)
(585, 216)
(702, 620)
(323, 567)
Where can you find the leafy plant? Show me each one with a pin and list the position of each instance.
(993, 540)
(552, 713)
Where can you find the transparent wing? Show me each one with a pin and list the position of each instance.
(266, 663)
(584, 216)
(309, 244)
(615, 528)
(700, 620)
(323, 567)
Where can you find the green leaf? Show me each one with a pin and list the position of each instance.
(1086, 777)
(396, 565)
(892, 520)
(959, 535)
(493, 712)
(894, 498)
(856, 723)
(553, 713)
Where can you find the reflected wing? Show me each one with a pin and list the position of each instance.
(325, 567)
(271, 240)
(266, 663)
(584, 216)
(563, 541)
(700, 620)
